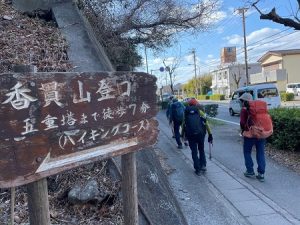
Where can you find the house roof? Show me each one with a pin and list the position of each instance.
(279, 53)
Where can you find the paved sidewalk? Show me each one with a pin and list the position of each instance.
(241, 201)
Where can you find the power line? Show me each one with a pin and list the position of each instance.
(206, 65)
(252, 48)
(269, 37)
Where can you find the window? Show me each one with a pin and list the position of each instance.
(267, 93)
(291, 86)
(235, 95)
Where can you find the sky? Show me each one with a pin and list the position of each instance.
(261, 35)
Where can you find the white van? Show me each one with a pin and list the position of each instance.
(293, 88)
(165, 97)
(266, 92)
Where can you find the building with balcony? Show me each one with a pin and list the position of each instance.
(280, 67)
(229, 77)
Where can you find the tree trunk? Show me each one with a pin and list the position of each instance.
(38, 203)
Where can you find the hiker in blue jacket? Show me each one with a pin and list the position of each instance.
(168, 113)
(169, 107)
(195, 127)
(176, 117)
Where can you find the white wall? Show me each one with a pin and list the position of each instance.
(223, 78)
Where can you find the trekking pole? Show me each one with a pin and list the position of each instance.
(210, 147)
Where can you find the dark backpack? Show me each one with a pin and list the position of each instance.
(194, 123)
(177, 111)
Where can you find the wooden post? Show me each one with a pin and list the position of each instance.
(129, 189)
(12, 205)
(38, 202)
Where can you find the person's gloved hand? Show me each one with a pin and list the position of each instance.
(210, 138)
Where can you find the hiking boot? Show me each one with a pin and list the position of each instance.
(197, 172)
(186, 143)
(249, 174)
(260, 177)
(203, 168)
(180, 147)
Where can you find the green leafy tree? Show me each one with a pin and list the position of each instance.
(189, 87)
(205, 83)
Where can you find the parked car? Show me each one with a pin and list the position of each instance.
(166, 96)
(266, 92)
(293, 88)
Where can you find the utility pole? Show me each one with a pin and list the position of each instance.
(242, 11)
(196, 86)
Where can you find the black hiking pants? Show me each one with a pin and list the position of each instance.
(196, 143)
(177, 125)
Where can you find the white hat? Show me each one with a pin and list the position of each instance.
(246, 97)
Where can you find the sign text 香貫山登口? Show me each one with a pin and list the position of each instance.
(51, 122)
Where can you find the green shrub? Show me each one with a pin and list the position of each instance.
(217, 97)
(287, 96)
(286, 122)
(211, 109)
(201, 97)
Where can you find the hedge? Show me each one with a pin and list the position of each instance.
(203, 97)
(287, 96)
(217, 97)
(286, 123)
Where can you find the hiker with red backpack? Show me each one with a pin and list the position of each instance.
(256, 126)
(195, 127)
(176, 118)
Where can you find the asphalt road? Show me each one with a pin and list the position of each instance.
(223, 113)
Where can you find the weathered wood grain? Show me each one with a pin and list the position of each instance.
(51, 122)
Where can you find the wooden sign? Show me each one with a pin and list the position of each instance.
(51, 122)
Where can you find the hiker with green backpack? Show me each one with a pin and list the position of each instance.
(195, 127)
(176, 116)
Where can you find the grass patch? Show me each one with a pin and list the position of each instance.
(214, 122)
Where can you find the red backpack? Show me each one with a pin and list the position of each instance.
(261, 122)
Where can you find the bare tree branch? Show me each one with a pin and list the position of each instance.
(273, 16)
(121, 25)
(171, 69)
